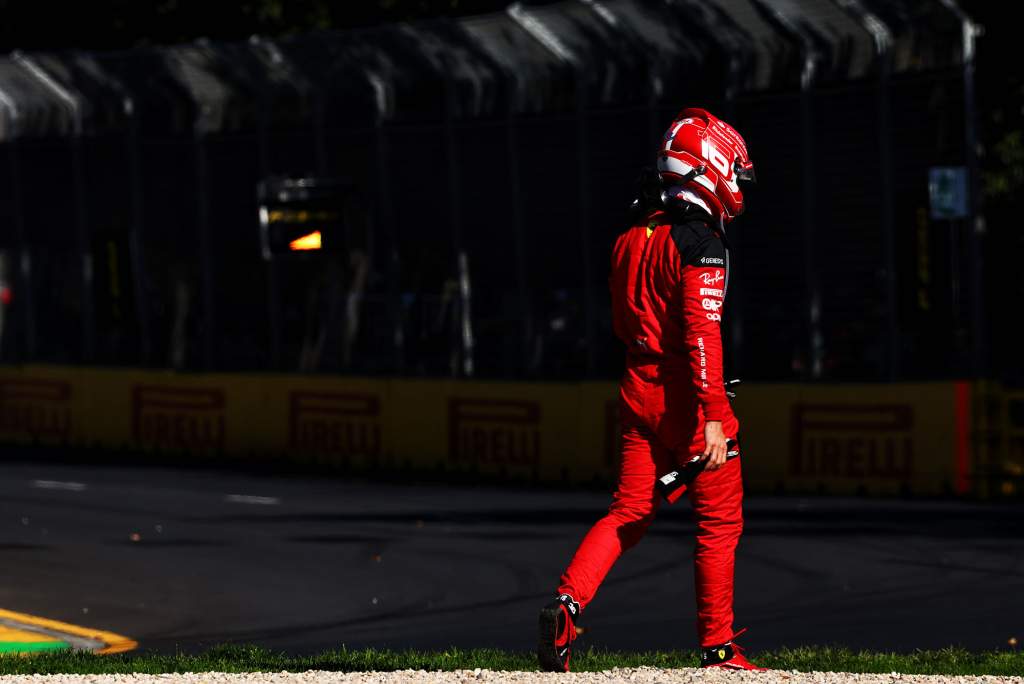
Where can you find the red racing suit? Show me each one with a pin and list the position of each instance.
(668, 281)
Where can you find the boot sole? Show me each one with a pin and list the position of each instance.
(547, 651)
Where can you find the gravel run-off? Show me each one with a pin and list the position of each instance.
(642, 675)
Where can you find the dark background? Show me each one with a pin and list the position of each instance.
(121, 24)
(942, 318)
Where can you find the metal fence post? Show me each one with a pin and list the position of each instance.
(885, 144)
(387, 220)
(815, 338)
(319, 116)
(273, 270)
(82, 232)
(85, 251)
(585, 223)
(274, 305)
(24, 267)
(518, 229)
(207, 280)
(882, 38)
(976, 223)
(465, 367)
(557, 47)
(136, 236)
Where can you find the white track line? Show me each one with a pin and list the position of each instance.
(252, 500)
(62, 486)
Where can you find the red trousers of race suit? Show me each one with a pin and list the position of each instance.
(662, 426)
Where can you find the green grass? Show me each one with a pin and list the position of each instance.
(32, 646)
(252, 659)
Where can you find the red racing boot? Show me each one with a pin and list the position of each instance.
(728, 656)
(557, 632)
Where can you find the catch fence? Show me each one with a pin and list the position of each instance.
(494, 158)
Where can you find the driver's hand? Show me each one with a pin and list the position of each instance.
(715, 448)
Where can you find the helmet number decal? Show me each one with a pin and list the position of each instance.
(715, 157)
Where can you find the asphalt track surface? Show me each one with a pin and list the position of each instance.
(182, 560)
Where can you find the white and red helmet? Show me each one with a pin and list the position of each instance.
(705, 156)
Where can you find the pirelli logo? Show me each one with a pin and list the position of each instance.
(178, 418)
(36, 409)
(494, 432)
(335, 423)
(852, 441)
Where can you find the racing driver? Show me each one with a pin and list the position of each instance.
(669, 275)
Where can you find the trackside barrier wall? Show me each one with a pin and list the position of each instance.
(999, 439)
(848, 439)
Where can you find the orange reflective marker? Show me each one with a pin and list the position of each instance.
(306, 242)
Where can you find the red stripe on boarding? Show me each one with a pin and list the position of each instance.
(962, 448)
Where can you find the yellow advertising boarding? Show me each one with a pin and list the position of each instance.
(850, 439)
(882, 439)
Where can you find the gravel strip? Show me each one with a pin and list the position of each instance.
(642, 675)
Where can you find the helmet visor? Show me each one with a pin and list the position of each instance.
(745, 171)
